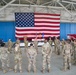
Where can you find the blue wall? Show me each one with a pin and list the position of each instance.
(67, 28)
(7, 30)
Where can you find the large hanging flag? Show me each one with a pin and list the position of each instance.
(28, 24)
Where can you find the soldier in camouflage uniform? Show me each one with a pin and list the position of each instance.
(18, 57)
(51, 43)
(4, 58)
(36, 44)
(31, 54)
(10, 44)
(26, 42)
(74, 52)
(67, 51)
(46, 53)
(57, 46)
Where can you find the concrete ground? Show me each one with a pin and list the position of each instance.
(56, 65)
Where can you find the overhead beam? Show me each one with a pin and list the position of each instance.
(64, 7)
(7, 5)
(68, 2)
(36, 6)
(4, 1)
(30, 2)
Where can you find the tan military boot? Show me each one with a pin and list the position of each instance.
(35, 71)
(43, 71)
(4, 71)
(10, 69)
(63, 69)
(48, 70)
(69, 67)
(28, 70)
(20, 71)
(15, 71)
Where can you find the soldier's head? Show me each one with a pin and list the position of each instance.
(45, 40)
(68, 41)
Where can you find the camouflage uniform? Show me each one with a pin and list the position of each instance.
(57, 46)
(63, 43)
(74, 53)
(46, 53)
(26, 43)
(67, 56)
(18, 58)
(51, 42)
(10, 44)
(31, 54)
(4, 58)
(36, 44)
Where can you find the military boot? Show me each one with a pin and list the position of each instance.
(15, 71)
(35, 71)
(69, 67)
(48, 70)
(4, 71)
(20, 71)
(43, 71)
(28, 70)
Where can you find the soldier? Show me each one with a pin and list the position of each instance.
(31, 54)
(74, 52)
(46, 53)
(18, 57)
(10, 44)
(4, 58)
(57, 46)
(26, 42)
(36, 44)
(51, 43)
(67, 51)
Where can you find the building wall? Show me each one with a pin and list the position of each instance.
(7, 30)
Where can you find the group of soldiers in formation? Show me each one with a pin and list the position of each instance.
(65, 47)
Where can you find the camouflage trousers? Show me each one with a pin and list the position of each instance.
(5, 63)
(36, 48)
(57, 50)
(31, 62)
(67, 61)
(46, 60)
(10, 49)
(74, 56)
(18, 61)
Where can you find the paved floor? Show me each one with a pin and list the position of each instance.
(56, 65)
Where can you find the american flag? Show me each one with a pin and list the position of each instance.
(34, 24)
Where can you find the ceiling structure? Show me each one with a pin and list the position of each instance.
(68, 5)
